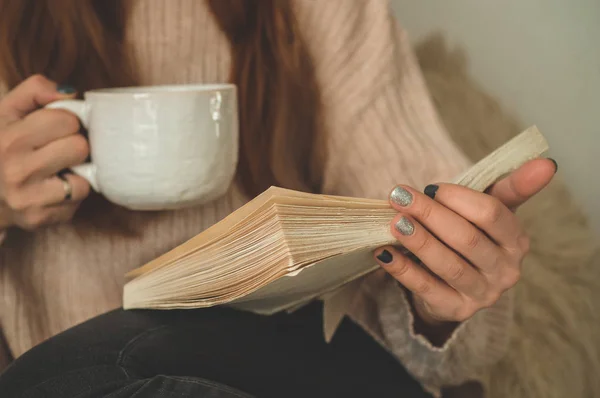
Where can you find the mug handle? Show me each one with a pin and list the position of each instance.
(81, 109)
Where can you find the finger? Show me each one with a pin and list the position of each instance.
(33, 93)
(5, 215)
(46, 215)
(80, 188)
(438, 258)
(449, 227)
(51, 191)
(58, 155)
(40, 128)
(63, 212)
(523, 183)
(485, 211)
(416, 279)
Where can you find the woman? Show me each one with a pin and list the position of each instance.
(331, 100)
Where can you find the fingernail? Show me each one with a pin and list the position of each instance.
(555, 164)
(431, 190)
(64, 172)
(65, 89)
(401, 196)
(385, 257)
(405, 226)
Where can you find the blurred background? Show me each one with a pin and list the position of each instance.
(541, 61)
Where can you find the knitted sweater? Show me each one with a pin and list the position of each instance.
(381, 129)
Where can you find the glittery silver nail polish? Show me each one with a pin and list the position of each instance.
(405, 226)
(401, 196)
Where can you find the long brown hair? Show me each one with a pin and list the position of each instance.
(82, 43)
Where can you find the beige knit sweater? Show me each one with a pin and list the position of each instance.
(381, 130)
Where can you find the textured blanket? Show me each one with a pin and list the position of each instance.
(555, 349)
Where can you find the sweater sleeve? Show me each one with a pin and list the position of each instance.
(382, 129)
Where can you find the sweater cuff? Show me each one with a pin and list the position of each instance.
(474, 344)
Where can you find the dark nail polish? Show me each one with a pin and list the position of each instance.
(64, 172)
(431, 190)
(385, 257)
(65, 89)
(555, 164)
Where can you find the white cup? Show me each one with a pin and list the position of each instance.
(159, 147)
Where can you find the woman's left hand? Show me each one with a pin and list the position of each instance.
(470, 243)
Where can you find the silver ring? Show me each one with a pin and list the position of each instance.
(67, 187)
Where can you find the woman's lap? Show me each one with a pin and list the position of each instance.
(216, 353)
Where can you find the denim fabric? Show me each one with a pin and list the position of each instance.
(209, 353)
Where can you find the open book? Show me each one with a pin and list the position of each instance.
(286, 247)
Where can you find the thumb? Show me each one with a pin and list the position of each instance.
(523, 183)
(33, 93)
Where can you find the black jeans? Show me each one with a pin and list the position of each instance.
(208, 353)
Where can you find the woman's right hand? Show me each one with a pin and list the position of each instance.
(35, 145)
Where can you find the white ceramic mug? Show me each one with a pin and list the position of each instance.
(159, 147)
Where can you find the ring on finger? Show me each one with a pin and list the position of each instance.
(66, 186)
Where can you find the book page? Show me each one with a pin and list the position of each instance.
(313, 281)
